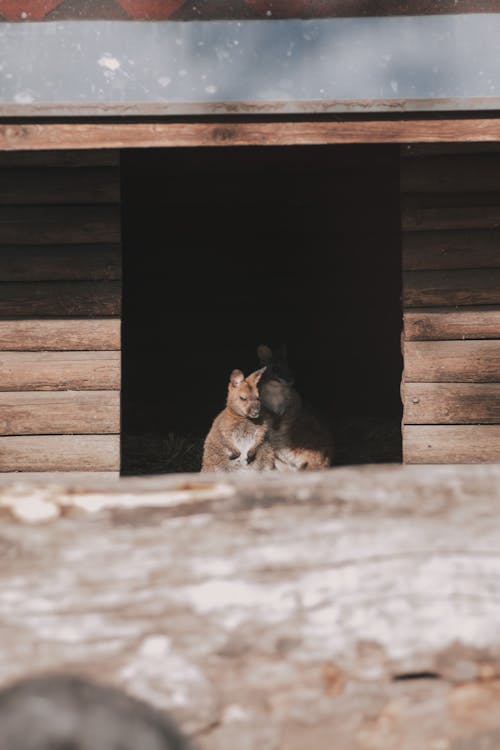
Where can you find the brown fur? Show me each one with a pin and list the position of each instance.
(237, 438)
(299, 439)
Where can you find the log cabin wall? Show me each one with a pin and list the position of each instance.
(451, 296)
(60, 295)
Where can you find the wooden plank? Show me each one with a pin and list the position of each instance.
(60, 453)
(452, 249)
(447, 288)
(452, 174)
(60, 263)
(60, 298)
(59, 186)
(451, 403)
(444, 323)
(418, 150)
(56, 477)
(447, 444)
(60, 413)
(72, 334)
(59, 159)
(39, 225)
(62, 371)
(430, 212)
(451, 361)
(117, 135)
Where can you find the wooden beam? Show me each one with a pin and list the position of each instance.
(60, 263)
(451, 361)
(60, 298)
(451, 403)
(51, 186)
(422, 213)
(447, 323)
(58, 159)
(452, 174)
(62, 371)
(48, 225)
(448, 288)
(60, 413)
(68, 334)
(451, 444)
(119, 135)
(451, 249)
(60, 453)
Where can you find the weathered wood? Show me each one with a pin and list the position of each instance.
(270, 613)
(458, 148)
(70, 334)
(452, 361)
(116, 135)
(60, 263)
(60, 298)
(71, 159)
(453, 174)
(430, 212)
(447, 444)
(60, 413)
(60, 453)
(451, 403)
(63, 186)
(434, 251)
(62, 371)
(445, 323)
(39, 225)
(448, 288)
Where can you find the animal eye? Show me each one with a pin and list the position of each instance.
(243, 398)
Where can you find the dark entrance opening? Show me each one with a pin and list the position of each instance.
(226, 248)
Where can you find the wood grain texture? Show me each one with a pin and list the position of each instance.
(60, 298)
(60, 413)
(447, 444)
(428, 212)
(58, 159)
(62, 371)
(48, 225)
(448, 323)
(116, 135)
(451, 249)
(448, 288)
(60, 263)
(462, 173)
(60, 453)
(59, 185)
(338, 584)
(451, 361)
(69, 334)
(451, 403)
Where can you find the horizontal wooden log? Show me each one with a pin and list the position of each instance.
(47, 225)
(430, 212)
(452, 249)
(60, 298)
(451, 403)
(446, 323)
(60, 453)
(60, 413)
(360, 605)
(68, 159)
(451, 444)
(62, 371)
(117, 135)
(60, 263)
(451, 361)
(454, 174)
(448, 288)
(59, 186)
(71, 334)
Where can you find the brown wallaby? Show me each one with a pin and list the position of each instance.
(299, 439)
(237, 438)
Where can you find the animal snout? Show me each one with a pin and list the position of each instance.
(255, 410)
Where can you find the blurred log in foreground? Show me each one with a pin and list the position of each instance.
(355, 609)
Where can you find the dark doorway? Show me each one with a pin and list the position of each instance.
(226, 248)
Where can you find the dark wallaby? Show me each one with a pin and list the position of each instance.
(237, 438)
(299, 439)
(60, 712)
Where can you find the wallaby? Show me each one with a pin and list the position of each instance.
(237, 438)
(299, 439)
(59, 712)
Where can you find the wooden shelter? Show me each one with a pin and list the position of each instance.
(67, 186)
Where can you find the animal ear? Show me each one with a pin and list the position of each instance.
(264, 353)
(236, 378)
(256, 376)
